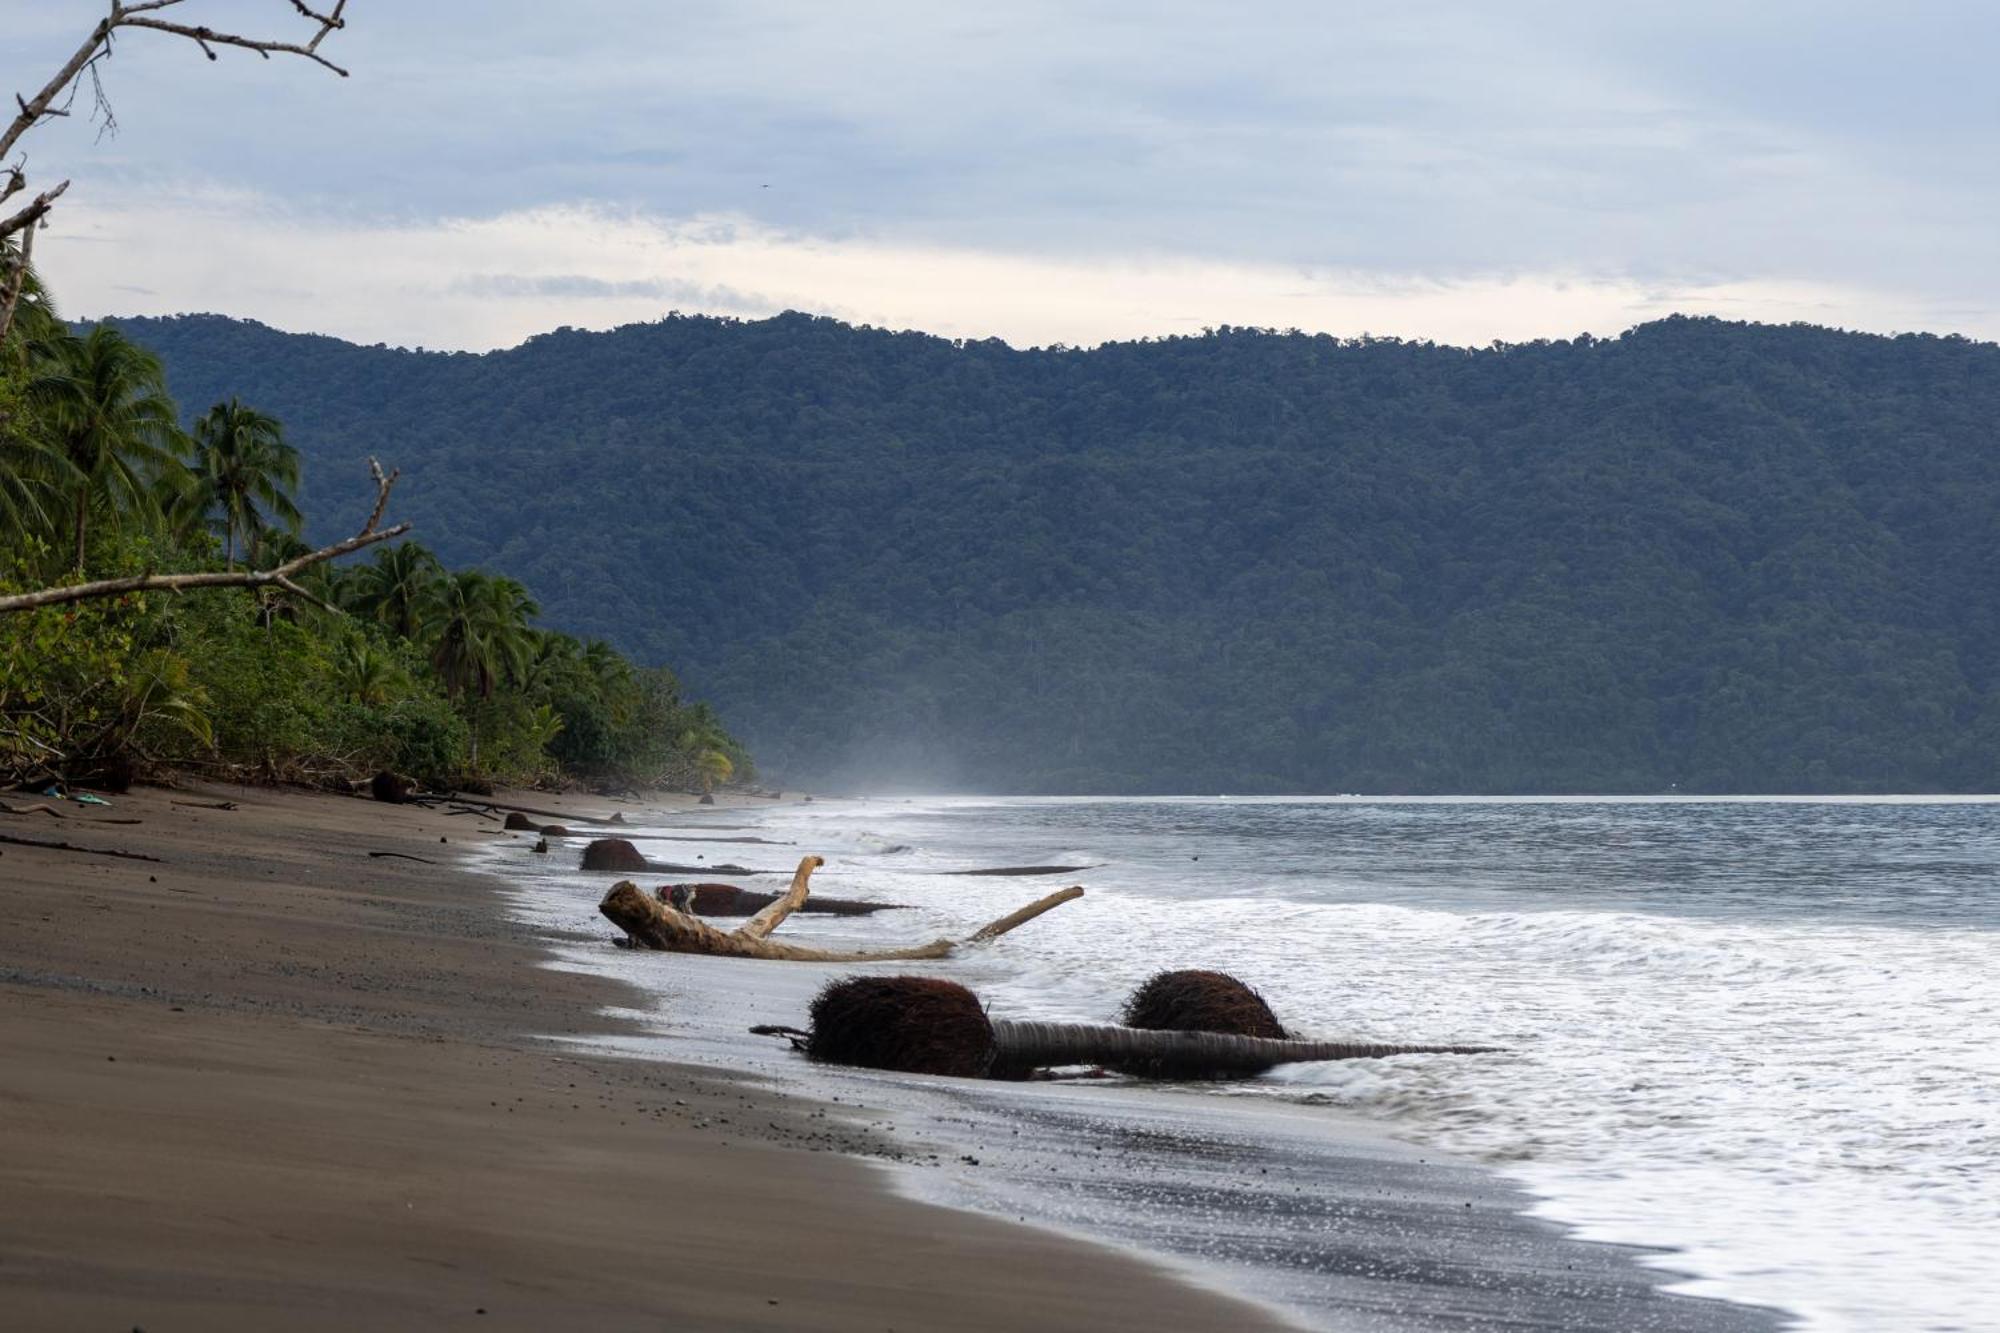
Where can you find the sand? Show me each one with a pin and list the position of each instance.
(270, 1082)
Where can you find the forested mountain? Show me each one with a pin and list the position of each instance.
(1716, 556)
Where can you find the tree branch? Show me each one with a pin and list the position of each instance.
(33, 111)
(280, 575)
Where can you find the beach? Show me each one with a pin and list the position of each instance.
(269, 1080)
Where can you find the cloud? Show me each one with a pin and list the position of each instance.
(1734, 153)
(581, 286)
(477, 283)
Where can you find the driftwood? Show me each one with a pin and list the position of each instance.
(207, 805)
(39, 808)
(72, 847)
(924, 1025)
(708, 899)
(620, 856)
(547, 814)
(652, 924)
(404, 856)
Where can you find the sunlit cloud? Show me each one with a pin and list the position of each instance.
(478, 283)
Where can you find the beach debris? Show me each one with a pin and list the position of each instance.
(38, 808)
(650, 923)
(1021, 870)
(541, 845)
(207, 805)
(405, 856)
(926, 1025)
(710, 899)
(518, 821)
(614, 854)
(72, 847)
(706, 799)
(392, 788)
(618, 854)
(1200, 1001)
(555, 831)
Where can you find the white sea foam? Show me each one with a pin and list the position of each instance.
(1760, 1035)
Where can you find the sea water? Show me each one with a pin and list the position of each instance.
(1762, 1033)
(1758, 1033)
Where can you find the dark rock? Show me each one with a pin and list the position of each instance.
(520, 823)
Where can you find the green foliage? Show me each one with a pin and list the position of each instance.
(1721, 556)
(436, 674)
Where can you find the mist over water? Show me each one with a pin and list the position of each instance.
(1757, 1032)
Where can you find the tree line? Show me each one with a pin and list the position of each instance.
(394, 662)
(1702, 556)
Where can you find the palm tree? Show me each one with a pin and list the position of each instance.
(399, 590)
(242, 462)
(105, 400)
(365, 673)
(482, 634)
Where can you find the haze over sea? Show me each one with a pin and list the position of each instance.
(1758, 1032)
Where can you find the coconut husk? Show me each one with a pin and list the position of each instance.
(912, 1025)
(1200, 1001)
(614, 854)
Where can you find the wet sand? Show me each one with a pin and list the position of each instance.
(270, 1082)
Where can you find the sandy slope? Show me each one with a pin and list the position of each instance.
(272, 1083)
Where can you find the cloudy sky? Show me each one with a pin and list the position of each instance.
(1043, 172)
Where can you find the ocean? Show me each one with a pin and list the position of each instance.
(1754, 1035)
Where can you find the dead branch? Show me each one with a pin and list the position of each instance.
(652, 924)
(280, 575)
(42, 808)
(56, 95)
(72, 847)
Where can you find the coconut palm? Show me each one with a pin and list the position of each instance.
(104, 399)
(364, 673)
(481, 635)
(245, 473)
(398, 590)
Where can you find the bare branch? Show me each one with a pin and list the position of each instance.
(280, 575)
(33, 213)
(202, 36)
(382, 485)
(51, 102)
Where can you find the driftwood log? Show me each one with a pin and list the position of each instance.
(730, 900)
(923, 1025)
(652, 924)
(621, 857)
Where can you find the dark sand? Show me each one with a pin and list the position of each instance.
(273, 1083)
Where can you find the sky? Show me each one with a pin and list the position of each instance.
(1040, 172)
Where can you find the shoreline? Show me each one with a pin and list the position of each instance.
(1324, 1214)
(268, 1081)
(182, 1041)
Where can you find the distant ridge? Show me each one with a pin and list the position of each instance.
(1704, 556)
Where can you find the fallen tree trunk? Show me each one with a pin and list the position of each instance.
(72, 847)
(652, 924)
(925, 1025)
(730, 900)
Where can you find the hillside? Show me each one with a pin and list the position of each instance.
(1719, 556)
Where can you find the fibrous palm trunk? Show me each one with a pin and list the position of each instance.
(1021, 1047)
